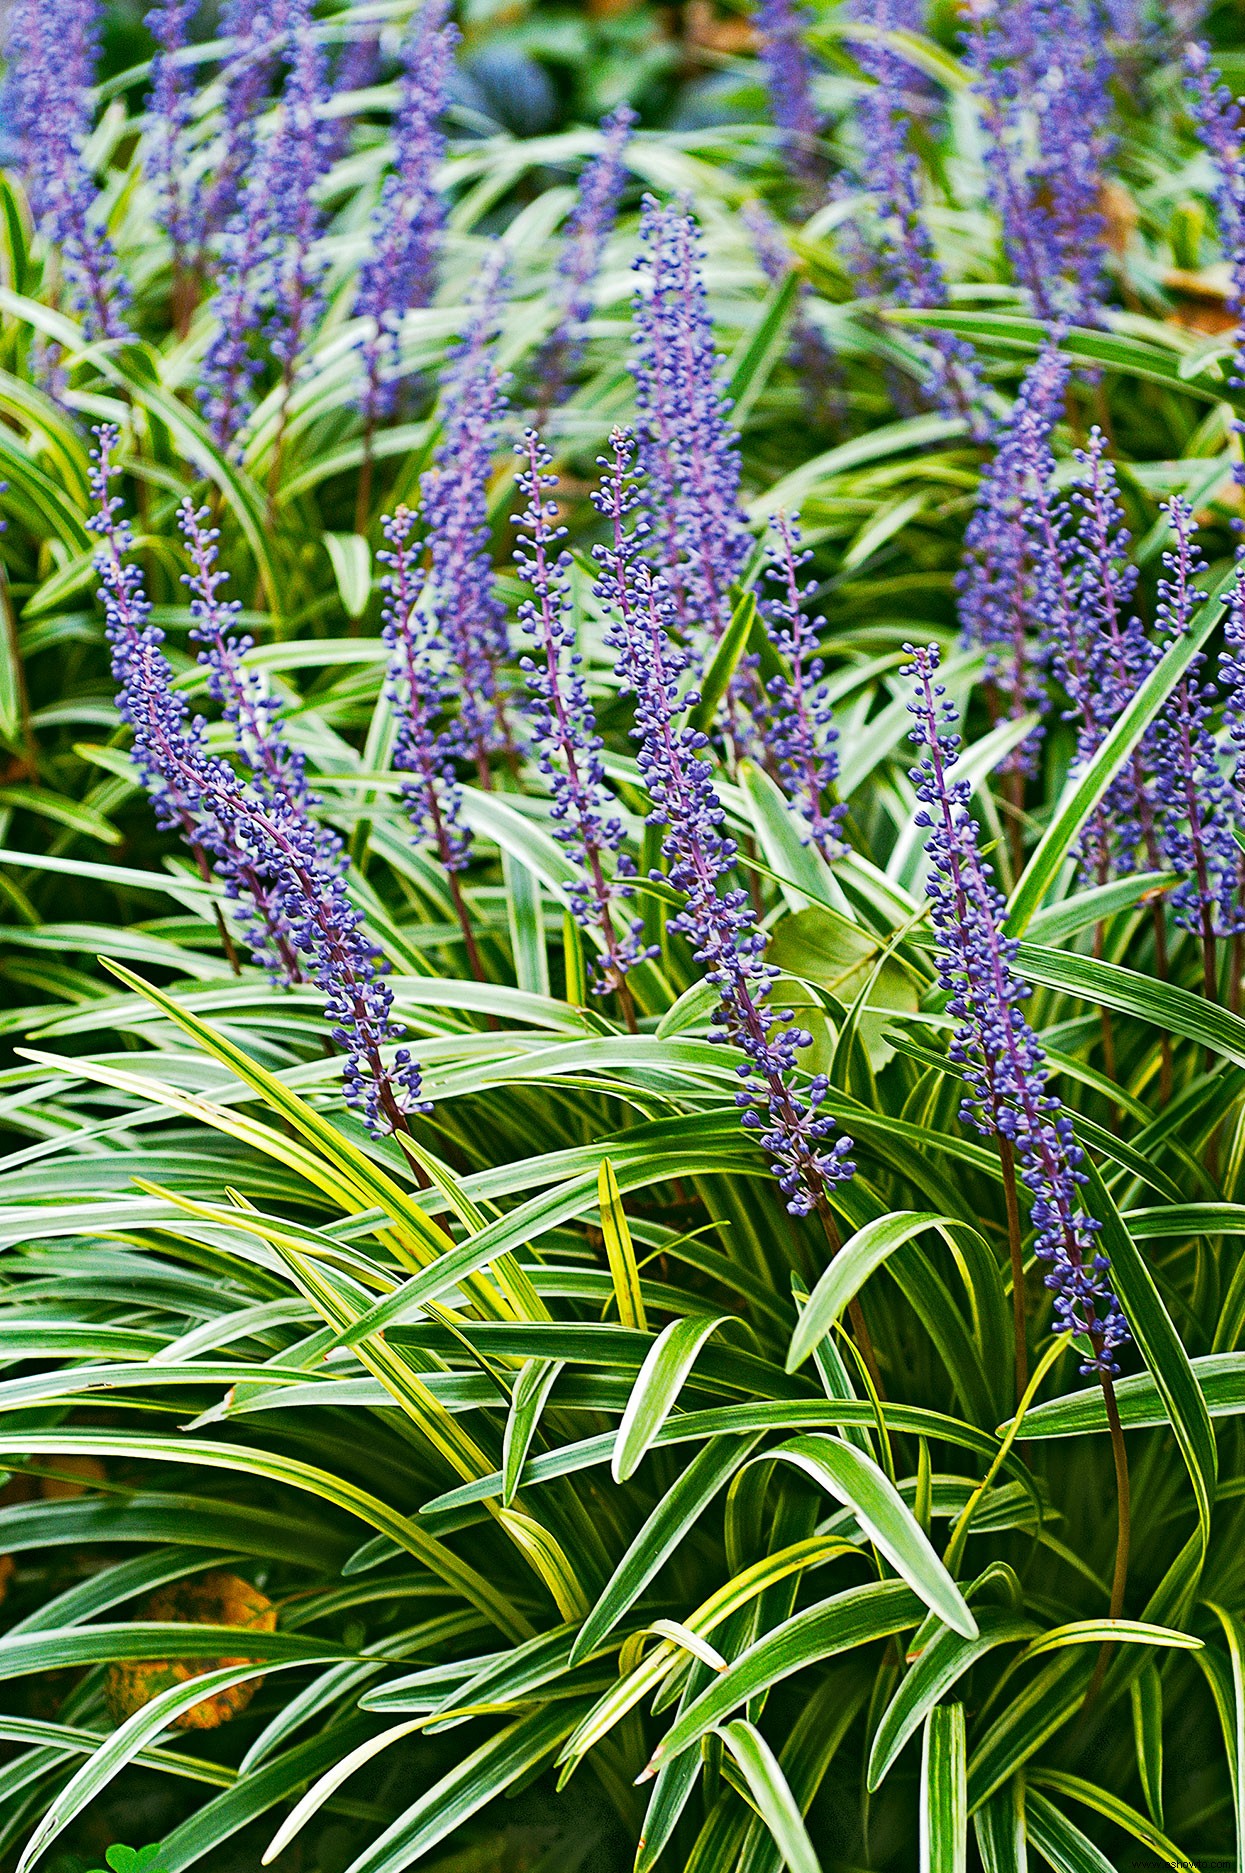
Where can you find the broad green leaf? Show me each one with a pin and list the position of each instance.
(1059, 1841)
(944, 1794)
(511, 1754)
(999, 1826)
(670, 1523)
(725, 661)
(531, 1390)
(1161, 1347)
(1146, 1693)
(351, 558)
(328, 1784)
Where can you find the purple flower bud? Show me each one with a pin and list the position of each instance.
(781, 26)
(717, 920)
(286, 873)
(996, 587)
(1042, 77)
(688, 449)
(401, 270)
(564, 731)
(470, 616)
(420, 691)
(588, 229)
(811, 358)
(1195, 809)
(896, 237)
(1000, 1057)
(798, 724)
(168, 116)
(52, 53)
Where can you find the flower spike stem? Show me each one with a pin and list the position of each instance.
(1007, 1158)
(1123, 1535)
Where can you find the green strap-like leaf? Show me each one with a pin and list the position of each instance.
(850, 1269)
(943, 1662)
(768, 1788)
(657, 1387)
(852, 1477)
(944, 1796)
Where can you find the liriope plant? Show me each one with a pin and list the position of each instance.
(623, 917)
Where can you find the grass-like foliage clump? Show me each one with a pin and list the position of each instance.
(622, 688)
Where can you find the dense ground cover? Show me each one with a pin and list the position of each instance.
(623, 703)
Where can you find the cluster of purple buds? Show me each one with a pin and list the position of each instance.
(1194, 802)
(169, 114)
(996, 1050)
(296, 160)
(900, 247)
(588, 229)
(270, 273)
(286, 874)
(996, 585)
(1042, 76)
(1221, 120)
(257, 31)
(1099, 651)
(717, 919)
(276, 770)
(782, 26)
(563, 728)
(400, 272)
(470, 617)
(358, 68)
(185, 783)
(798, 725)
(52, 53)
(428, 736)
(688, 449)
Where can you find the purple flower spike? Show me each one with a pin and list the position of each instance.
(401, 270)
(270, 274)
(257, 29)
(52, 53)
(357, 69)
(419, 689)
(588, 229)
(1194, 799)
(1042, 73)
(1098, 647)
(898, 240)
(564, 730)
(295, 162)
(718, 922)
(169, 117)
(799, 723)
(1221, 120)
(1000, 1057)
(277, 771)
(169, 752)
(470, 616)
(688, 449)
(782, 26)
(997, 600)
(286, 874)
